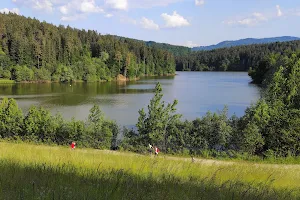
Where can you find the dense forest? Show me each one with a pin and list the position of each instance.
(174, 49)
(269, 128)
(31, 50)
(240, 58)
(246, 41)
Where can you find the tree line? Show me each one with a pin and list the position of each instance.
(270, 127)
(239, 58)
(38, 125)
(31, 50)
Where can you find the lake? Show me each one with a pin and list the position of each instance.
(197, 93)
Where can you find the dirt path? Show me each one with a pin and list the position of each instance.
(213, 162)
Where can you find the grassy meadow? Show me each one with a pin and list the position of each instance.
(45, 172)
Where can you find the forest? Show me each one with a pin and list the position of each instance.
(239, 58)
(269, 128)
(31, 50)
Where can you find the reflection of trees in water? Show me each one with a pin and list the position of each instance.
(68, 94)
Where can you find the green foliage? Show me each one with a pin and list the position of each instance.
(11, 118)
(39, 125)
(277, 116)
(99, 130)
(253, 58)
(70, 54)
(42, 74)
(153, 127)
(22, 73)
(5, 74)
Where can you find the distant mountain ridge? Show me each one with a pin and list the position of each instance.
(246, 41)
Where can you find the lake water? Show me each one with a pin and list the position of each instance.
(197, 93)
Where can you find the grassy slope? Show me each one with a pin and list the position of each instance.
(43, 172)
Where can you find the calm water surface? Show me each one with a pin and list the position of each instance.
(197, 93)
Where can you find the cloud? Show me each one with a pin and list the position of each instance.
(260, 16)
(199, 2)
(191, 44)
(150, 3)
(89, 6)
(255, 19)
(149, 24)
(41, 5)
(14, 10)
(174, 20)
(279, 13)
(80, 6)
(64, 9)
(73, 17)
(108, 15)
(117, 4)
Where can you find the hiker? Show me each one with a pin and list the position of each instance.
(73, 145)
(156, 151)
(150, 149)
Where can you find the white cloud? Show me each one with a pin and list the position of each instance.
(150, 3)
(80, 6)
(89, 6)
(108, 15)
(199, 2)
(117, 4)
(260, 16)
(149, 24)
(174, 20)
(255, 19)
(73, 17)
(14, 10)
(279, 12)
(191, 44)
(41, 5)
(64, 10)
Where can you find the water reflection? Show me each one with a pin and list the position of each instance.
(197, 92)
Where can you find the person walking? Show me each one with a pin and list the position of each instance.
(156, 151)
(150, 149)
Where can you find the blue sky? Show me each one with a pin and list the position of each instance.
(180, 22)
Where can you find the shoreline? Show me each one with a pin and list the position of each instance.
(119, 78)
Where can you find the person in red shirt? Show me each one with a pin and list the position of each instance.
(156, 151)
(73, 145)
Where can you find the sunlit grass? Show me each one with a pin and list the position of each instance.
(6, 81)
(45, 172)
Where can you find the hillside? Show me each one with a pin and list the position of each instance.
(31, 50)
(43, 172)
(238, 58)
(174, 49)
(247, 41)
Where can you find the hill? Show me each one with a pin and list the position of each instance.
(247, 41)
(44, 172)
(237, 58)
(174, 49)
(31, 50)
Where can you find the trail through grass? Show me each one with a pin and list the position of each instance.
(43, 172)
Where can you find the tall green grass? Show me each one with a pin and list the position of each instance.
(43, 172)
